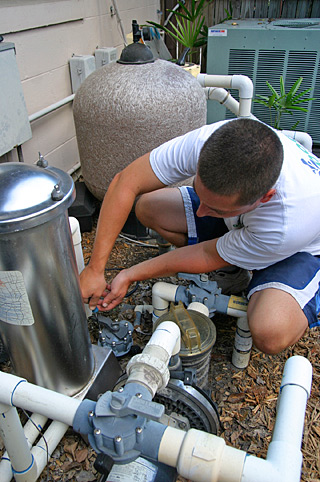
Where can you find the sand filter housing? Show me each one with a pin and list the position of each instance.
(43, 323)
(127, 108)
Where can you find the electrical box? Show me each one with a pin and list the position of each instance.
(81, 66)
(14, 122)
(264, 50)
(104, 56)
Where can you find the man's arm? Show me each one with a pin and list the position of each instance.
(199, 258)
(135, 179)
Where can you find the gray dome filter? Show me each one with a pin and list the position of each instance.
(123, 111)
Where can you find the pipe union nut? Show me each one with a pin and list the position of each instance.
(151, 367)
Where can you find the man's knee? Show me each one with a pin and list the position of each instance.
(276, 320)
(142, 208)
(265, 339)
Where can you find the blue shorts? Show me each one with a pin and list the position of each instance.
(298, 275)
(200, 229)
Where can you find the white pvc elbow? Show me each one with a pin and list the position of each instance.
(240, 82)
(162, 294)
(204, 457)
(244, 85)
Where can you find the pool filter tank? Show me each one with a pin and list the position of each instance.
(43, 323)
(129, 107)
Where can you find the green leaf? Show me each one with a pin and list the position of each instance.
(303, 100)
(295, 125)
(271, 100)
(301, 94)
(296, 107)
(259, 101)
(282, 89)
(262, 97)
(272, 90)
(295, 87)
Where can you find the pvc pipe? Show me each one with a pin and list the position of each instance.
(204, 457)
(74, 168)
(162, 294)
(167, 336)
(237, 306)
(144, 309)
(197, 455)
(206, 80)
(51, 108)
(16, 444)
(40, 453)
(284, 458)
(76, 239)
(242, 343)
(200, 307)
(240, 82)
(245, 108)
(139, 310)
(18, 392)
(201, 456)
(43, 451)
(302, 137)
(31, 431)
(223, 97)
(243, 84)
(150, 368)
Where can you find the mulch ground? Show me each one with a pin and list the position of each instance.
(246, 399)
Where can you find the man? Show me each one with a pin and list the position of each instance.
(261, 191)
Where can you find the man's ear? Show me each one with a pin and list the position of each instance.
(268, 196)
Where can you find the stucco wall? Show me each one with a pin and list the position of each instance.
(46, 34)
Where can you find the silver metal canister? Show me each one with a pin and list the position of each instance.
(43, 323)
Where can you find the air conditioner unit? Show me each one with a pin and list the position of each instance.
(263, 51)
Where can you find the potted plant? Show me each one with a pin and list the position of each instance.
(190, 31)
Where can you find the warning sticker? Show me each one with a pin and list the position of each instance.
(141, 470)
(217, 32)
(15, 308)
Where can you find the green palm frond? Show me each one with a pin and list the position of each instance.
(190, 29)
(284, 103)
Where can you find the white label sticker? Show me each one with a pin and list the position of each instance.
(141, 470)
(217, 32)
(15, 308)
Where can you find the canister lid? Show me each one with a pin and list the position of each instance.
(32, 195)
(136, 54)
(198, 333)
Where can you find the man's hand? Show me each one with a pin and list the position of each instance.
(116, 291)
(93, 286)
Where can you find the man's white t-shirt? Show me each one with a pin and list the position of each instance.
(287, 224)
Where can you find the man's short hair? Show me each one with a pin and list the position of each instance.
(243, 156)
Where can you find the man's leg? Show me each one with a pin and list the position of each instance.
(284, 299)
(275, 319)
(163, 211)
